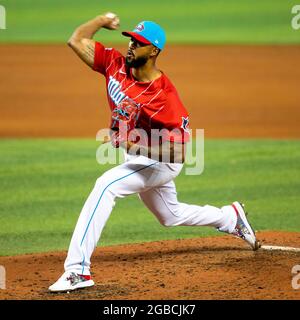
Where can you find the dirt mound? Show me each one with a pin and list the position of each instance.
(204, 268)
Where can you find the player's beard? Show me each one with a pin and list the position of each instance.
(136, 62)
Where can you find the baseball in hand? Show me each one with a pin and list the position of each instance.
(114, 17)
(111, 15)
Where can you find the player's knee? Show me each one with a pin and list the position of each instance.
(102, 181)
(106, 183)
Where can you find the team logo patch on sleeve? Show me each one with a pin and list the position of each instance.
(185, 124)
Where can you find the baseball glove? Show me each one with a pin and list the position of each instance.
(124, 120)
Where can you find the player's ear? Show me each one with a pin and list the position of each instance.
(155, 51)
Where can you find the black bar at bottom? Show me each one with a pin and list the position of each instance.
(145, 309)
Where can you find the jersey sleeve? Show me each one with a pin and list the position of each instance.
(104, 57)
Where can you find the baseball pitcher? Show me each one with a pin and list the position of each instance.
(149, 121)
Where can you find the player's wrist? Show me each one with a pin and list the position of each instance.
(101, 20)
(131, 147)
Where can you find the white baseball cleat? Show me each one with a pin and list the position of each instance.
(243, 228)
(70, 281)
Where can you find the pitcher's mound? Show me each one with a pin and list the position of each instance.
(203, 268)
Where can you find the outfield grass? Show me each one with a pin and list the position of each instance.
(192, 21)
(44, 184)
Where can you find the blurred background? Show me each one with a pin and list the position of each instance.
(236, 66)
(192, 21)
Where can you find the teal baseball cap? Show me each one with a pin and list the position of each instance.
(148, 32)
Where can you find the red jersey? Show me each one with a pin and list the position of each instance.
(160, 105)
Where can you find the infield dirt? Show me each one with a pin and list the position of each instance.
(204, 268)
(230, 91)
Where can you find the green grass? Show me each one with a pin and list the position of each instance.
(192, 21)
(44, 184)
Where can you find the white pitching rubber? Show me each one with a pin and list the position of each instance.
(278, 248)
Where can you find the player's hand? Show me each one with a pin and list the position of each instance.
(120, 136)
(115, 139)
(112, 21)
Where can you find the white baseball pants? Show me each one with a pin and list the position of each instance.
(153, 181)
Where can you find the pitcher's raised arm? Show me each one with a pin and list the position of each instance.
(82, 41)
